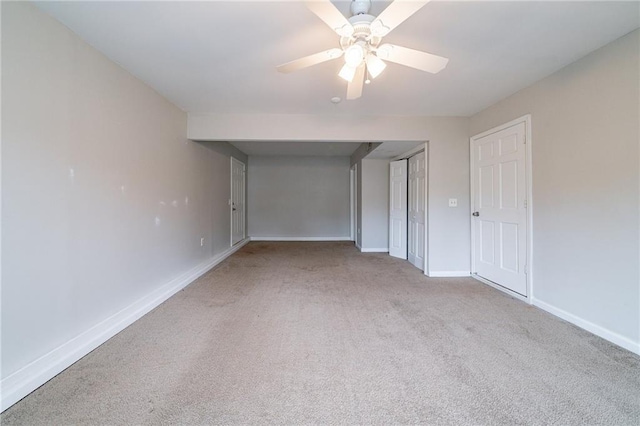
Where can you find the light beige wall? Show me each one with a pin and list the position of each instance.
(296, 127)
(375, 204)
(104, 198)
(585, 123)
(448, 235)
(299, 197)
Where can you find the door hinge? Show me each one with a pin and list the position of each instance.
(526, 269)
(525, 204)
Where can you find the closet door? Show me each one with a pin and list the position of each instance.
(237, 201)
(416, 232)
(398, 209)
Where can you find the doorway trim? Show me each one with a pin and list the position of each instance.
(353, 201)
(526, 119)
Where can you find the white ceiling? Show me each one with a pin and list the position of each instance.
(391, 149)
(386, 150)
(320, 149)
(220, 56)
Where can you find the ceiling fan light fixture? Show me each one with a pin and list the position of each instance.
(375, 65)
(347, 30)
(360, 42)
(378, 29)
(347, 72)
(354, 55)
(360, 7)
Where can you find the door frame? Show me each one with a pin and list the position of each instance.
(244, 201)
(353, 201)
(526, 119)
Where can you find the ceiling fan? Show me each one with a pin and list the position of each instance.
(360, 42)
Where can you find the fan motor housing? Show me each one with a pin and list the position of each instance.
(360, 6)
(361, 31)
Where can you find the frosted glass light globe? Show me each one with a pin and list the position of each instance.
(354, 55)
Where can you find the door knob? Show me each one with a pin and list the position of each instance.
(476, 214)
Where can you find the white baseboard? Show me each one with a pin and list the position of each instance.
(374, 250)
(301, 239)
(589, 326)
(33, 375)
(445, 274)
(505, 290)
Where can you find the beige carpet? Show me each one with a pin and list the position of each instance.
(318, 333)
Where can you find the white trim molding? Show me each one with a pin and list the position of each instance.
(500, 288)
(24, 381)
(445, 274)
(374, 250)
(600, 331)
(413, 151)
(301, 238)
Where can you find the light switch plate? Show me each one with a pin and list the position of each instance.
(453, 202)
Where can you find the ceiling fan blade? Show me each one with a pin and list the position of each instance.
(326, 11)
(310, 60)
(354, 89)
(412, 58)
(395, 14)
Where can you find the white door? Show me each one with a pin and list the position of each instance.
(500, 218)
(398, 209)
(237, 203)
(417, 176)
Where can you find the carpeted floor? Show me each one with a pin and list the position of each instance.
(318, 333)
